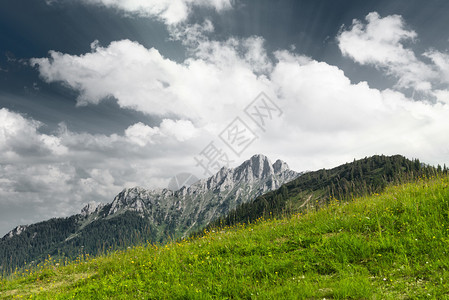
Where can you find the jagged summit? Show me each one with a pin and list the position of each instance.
(90, 208)
(260, 167)
(280, 166)
(190, 207)
(258, 170)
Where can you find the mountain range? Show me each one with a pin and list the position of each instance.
(255, 189)
(139, 215)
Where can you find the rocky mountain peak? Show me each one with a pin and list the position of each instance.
(256, 168)
(280, 166)
(91, 208)
(261, 166)
(130, 198)
(204, 200)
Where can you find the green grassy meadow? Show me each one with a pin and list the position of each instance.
(388, 246)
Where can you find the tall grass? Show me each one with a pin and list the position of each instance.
(388, 246)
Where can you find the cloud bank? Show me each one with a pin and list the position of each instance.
(323, 110)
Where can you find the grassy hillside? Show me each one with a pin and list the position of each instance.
(95, 233)
(388, 246)
(345, 182)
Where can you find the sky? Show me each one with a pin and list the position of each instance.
(99, 95)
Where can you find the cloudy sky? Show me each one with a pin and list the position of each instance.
(98, 95)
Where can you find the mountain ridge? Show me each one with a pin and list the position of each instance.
(229, 187)
(138, 215)
(315, 189)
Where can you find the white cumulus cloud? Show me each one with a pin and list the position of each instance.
(169, 11)
(141, 134)
(19, 136)
(382, 42)
(441, 62)
(207, 87)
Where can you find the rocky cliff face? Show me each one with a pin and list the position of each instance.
(192, 207)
